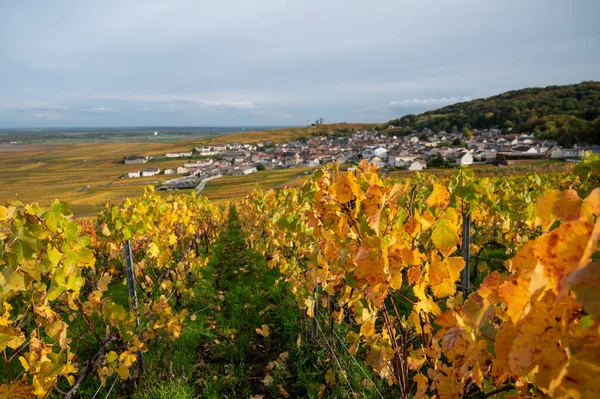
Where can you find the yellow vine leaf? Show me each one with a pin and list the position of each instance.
(3, 213)
(503, 345)
(565, 250)
(264, 330)
(516, 299)
(421, 381)
(544, 209)
(367, 329)
(372, 262)
(444, 235)
(153, 250)
(568, 207)
(586, 283)
(16, 390)
(346, 188)
(372, 206)
(310, 306)
(444, 274)
(439, 198)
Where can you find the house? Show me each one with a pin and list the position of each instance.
(150, 172)
(398, 161)
(464, 158)
(170, 171)
(368, 153)
(135, 160)
(526, 149)
(181, 170)
(378, 161)
(571, 153)
(419, 164)
(132, 174)
(245, 170)
(178, 154)
(380, 152)
(210, 150)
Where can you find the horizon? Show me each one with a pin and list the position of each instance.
(232, 63)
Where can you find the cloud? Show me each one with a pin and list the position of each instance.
(30, 107)
(184, 101)
(244, 57)
(100, 110)
(427, 102)
(46, 116)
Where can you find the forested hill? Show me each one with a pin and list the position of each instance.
(570, 114)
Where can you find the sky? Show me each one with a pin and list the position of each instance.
(279, 62)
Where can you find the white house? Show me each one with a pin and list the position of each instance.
(181, 170)
(132, 174)
(464, 159)
(571, 153)
(170, 171)
(378, 161)
(182, 154)
(419, 164)
(400, 161)
(245, 170)
(210, 150)
(380, 152)
(150, 172)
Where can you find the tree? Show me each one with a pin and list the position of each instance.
(260, 166)
(456, 142)
(438, 162)
(467, 133)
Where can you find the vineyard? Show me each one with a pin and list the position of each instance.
(351, 285)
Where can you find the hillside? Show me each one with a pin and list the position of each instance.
(284, 135)
(569, 114)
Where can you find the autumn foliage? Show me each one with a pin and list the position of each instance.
(386, 258)
(60, 318)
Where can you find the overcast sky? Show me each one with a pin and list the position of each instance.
(279, 62)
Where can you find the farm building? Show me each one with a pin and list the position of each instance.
(150, 172)
(419, 164)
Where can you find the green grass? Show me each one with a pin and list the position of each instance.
(220, 354)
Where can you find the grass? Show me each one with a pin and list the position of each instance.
(220, 354)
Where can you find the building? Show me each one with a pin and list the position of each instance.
(378, 161)
(170, 171)
(397, 161)
(178, 154)
(245, 171)
(419, 164)
(132, 174)
(464, 159)
(150, 172)
(136, 160)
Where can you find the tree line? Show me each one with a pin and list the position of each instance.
(568, 114)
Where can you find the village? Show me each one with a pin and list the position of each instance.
(417, 151)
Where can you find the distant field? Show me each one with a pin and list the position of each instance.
(87, 175)
(238, 186)
(282, 135)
